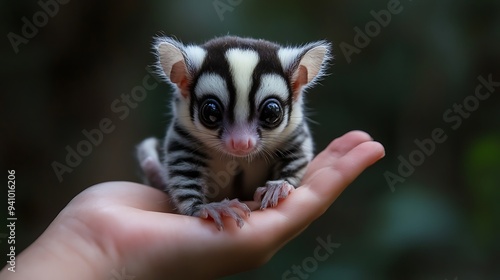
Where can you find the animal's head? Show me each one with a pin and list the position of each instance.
(237, 95)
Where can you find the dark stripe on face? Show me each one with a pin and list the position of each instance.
(216, 62)
(269, 63)
(253, 92)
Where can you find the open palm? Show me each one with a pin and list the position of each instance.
(123, 225)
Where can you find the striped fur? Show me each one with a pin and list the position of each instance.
(238, 123)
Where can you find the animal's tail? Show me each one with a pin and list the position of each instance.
(149, 160)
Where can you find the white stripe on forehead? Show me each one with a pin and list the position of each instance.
(242, 63)
(271, 84)
(211, 83)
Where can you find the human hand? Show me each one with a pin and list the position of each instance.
(124, 226)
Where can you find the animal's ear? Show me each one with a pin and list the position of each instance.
(305, 65)
(174, 63)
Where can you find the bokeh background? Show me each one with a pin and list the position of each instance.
(439, 222)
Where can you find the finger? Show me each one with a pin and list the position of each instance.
(347, 142)
(327, 176)
(335, 174)
(339, 147)
(253, 205)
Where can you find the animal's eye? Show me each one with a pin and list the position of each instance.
(271, 113)
(211, 113)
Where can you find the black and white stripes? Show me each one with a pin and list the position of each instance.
(239, 100)
(186, 164)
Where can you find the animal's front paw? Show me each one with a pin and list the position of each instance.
(273, 191)
(230, 208)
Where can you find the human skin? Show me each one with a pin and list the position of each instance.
(129, 229)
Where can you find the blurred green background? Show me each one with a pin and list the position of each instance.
(398, 84)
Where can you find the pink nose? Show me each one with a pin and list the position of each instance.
(242, 145)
